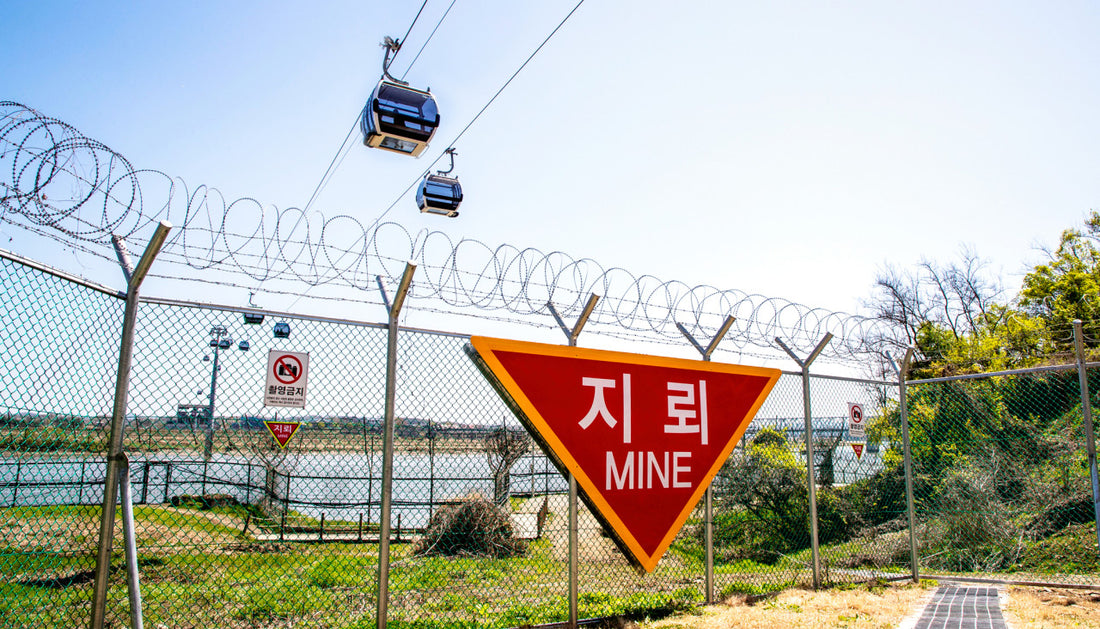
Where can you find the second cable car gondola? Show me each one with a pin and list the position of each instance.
(397, 117)
(440, 194)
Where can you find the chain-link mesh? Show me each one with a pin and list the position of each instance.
(1001, 475)
(58, 351)
(762, 504)
(233, 530)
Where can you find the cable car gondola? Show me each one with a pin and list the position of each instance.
(282, 330)
(440, 194)
(252, 318)
(397, 117)
(243, 346)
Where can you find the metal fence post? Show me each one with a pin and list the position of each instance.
(1086, 412)
(130, 540)
(387, 441)
(15, 486)
(708, 499)
(811, 482)
(903, 419)
(574, 568)
(431, 469)
(114, 445)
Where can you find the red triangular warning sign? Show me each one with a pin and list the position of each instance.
(858, 449)
(643, 435)
(282, 431)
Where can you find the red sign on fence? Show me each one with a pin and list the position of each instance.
(858, 449)
(282, 431)
(643, 435)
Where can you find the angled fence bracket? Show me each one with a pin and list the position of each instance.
(574, 563)
(903, 418)
(117, 467)
(708, 497)
(811, 482)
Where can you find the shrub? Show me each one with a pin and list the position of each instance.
(471, 526)
(762, 510)
(204, 502)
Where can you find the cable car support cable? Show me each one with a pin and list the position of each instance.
(450, 146)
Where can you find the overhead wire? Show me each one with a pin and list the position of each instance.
(337, 158)
(402, 40)
(480, 112)
(331, 170)
(429, 39)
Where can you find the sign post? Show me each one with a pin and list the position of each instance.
(642, 435)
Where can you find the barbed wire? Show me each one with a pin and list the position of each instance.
(80, 192)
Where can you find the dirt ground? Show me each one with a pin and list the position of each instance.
(881, 608)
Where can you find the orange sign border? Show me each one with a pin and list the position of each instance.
(484, 348)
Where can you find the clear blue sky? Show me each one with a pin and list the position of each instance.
(783, 148)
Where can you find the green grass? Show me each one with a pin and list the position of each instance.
(52, 439)
(1071, 551)
(218, 581)
(331, 585)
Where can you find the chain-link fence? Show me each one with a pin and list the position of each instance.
(1001, 476)
(233, 530)
(59, 354)
(763, 541)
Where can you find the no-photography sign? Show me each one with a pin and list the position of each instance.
(286, 379)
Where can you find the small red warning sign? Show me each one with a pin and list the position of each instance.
(858, 449)
(282, 431)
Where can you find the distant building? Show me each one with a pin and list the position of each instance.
(190, 416)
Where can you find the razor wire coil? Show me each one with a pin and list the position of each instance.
(78, 191)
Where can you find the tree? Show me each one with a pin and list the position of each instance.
(502, 449)
(958, 297)
(956, 318)
(1067, 286)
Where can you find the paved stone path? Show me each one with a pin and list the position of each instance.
(956, 606)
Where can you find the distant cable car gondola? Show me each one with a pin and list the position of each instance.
(440, 194)
(243, 346)
(397, 117)
(282, 330)
(253, 318)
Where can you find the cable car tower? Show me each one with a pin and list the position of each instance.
(440, 194)
(397, 117)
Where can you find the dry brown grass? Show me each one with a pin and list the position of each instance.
(1052, 608)
(881, 608)
(861, 608)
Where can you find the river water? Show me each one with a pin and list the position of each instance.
(339, 486)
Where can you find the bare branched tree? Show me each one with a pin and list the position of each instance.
(958, 296)
(502, 449)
